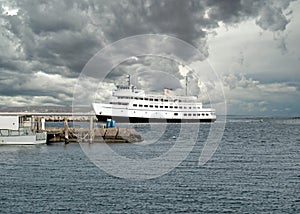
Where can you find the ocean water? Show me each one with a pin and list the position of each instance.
(256, 169)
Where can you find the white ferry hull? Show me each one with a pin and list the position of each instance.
(119, 119)
(125, 115)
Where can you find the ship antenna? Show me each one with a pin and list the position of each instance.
(186, 85)
(128, 76)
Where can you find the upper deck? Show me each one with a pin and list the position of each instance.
(131, 93)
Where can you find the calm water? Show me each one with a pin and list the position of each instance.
(256, 169)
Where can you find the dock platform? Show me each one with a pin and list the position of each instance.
(36, 122)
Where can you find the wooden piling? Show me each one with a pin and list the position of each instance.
(32, 124)
(91, 129)
(38, 124)
(66, 130)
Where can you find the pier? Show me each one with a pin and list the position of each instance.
(36, 121)
(107, 135)
(53, 116)
(91, 134)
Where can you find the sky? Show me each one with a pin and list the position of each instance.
(252, 46)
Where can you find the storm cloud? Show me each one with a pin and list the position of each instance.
(51, 41)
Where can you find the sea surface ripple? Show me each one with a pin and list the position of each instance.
(256, 169)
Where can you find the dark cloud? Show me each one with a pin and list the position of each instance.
(60, 36)
(68, 33)
(166, 17)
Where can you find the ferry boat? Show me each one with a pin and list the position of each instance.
(131, 105)
(12, 133)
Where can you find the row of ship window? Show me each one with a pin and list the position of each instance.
(194, 114)
(149, 99)
(203, 114)
(189, 114)
(176, 107)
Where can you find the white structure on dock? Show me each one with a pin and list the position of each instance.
(15, 130)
